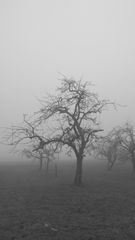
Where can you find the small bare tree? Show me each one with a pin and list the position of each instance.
(74, 118)
(49, 156)
(28, 135)
(123, 156)
(25, 134)
(108, 148)
(126, 136)
(43, 155)
(32, 155)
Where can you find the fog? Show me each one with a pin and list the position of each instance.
(81, 38)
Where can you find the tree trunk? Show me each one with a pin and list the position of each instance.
(41, 163)
(78, 174)
(112, 159)
(56, 171)
(47, 166)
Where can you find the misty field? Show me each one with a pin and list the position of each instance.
(36, 207)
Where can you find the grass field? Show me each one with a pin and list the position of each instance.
(36, 207)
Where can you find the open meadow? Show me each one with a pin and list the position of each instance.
(36, 207)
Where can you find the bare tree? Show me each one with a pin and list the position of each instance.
(24, 134)
(74, 118)
(26, 139)
(44, 155)
(127, 140)
(123, 156)
(28, 135)
(108, 148)
(32, 155)
(49, 156)
(70, 119)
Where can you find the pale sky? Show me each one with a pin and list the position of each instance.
(90, 38)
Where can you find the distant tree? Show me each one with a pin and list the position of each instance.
(27, 134)
(108, 148)
(49, 157)
(73, 115)
(123, 156)
(126, 136)
(24, 134)
(42, 155)
(32, 155)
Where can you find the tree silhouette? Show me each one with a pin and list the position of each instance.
(126, 136)
(73, 114)
(109, 147)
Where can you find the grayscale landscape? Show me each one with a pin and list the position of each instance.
(67, 120)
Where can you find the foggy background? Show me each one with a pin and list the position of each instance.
(80, 38)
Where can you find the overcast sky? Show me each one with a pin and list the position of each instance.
(90, 38)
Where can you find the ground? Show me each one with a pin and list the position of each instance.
(36, 207)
